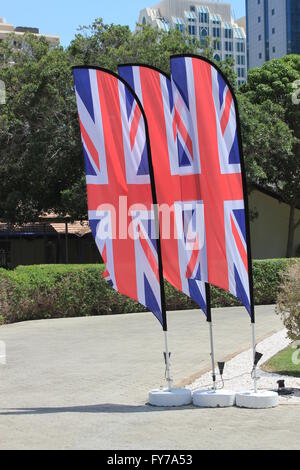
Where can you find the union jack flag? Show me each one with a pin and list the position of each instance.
(115, 151)
(169, 139)
(206, 106)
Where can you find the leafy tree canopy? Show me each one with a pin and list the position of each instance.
(41, 164)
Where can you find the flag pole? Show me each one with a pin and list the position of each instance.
(248, 235)
(212, 348)
(254, 357)
(160, 263)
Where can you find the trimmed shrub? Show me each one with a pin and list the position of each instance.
(288, 306)
(38, 292)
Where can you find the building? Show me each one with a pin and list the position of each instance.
(52, 240)
(269, 230)
(273, 30)
(6, 29)
(202, 19)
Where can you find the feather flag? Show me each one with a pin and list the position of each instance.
(182, 247)
(118, 168)
(206, 104)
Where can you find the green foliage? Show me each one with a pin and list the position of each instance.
(41, 163)
(283, 363)
(111, 45)
(289, 301)
(40, 144)
(37, 292)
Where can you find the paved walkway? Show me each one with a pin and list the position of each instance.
(82, 384)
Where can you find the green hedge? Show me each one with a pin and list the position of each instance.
(37, 292)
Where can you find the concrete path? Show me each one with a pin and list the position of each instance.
(83, 383)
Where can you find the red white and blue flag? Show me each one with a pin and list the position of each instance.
(115, 146)
(209, 147)
(176, 187)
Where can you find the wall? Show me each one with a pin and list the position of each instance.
(278, 21)
(269, 232)
(254, 30)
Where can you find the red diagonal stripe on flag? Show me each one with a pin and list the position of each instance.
(194, 258)
(239, 244)
(226, 113)
(149, 255)
(184, 133)
(104, 257)
(135, 125)
(90, 145)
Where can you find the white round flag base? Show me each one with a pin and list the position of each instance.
(168, 399)
(214, 398)
(260, 400)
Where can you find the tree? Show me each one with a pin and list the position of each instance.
(40, 152)
(271, 131)
(110, 45)
(41, 163)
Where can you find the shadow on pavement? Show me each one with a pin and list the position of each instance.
(105, 408)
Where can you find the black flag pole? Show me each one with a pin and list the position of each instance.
(248, 237)
(159, 253)
(212, 347)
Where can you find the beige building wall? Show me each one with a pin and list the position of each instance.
(6, 29)
(269, 232)
(177, 7)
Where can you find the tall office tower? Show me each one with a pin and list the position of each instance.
(202, 19)
(273, 30)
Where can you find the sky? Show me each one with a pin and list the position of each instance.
(62, 17)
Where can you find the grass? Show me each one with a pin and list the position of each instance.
(283, 363)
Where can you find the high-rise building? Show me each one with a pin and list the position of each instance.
(203, 19)
(6, 29)
(273, 30)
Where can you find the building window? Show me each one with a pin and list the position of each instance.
(217, 45)
(228, 33)
(273, 30)
(203, 17)
(228, 46)
(273, 11)
(240, 47)
(203, 35)
(274, 50)
(192, 30)
(259, 37)
(259, 19)
(216, 32)
(260, 55)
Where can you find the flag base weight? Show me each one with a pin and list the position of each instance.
(214, 398)
(260, 400)
(170, 399)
